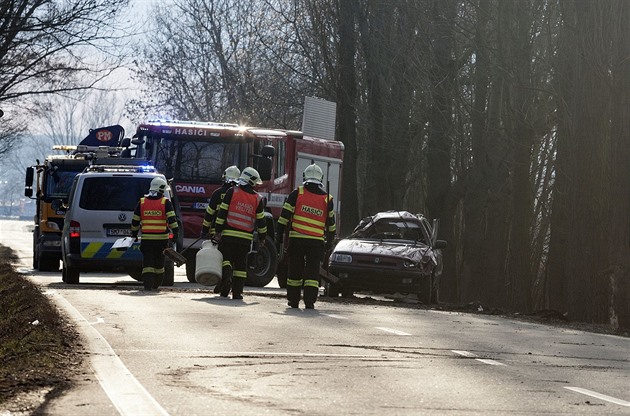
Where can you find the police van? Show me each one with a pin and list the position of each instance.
(99, 212)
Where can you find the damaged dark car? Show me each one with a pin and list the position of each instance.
(390, 252)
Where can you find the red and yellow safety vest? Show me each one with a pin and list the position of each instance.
(242, 211)
(309, 217)
(153, 218)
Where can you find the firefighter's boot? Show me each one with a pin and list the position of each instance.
(310, 296)
(223, 287)
(238, 283)
(148, 280)
(293, 295)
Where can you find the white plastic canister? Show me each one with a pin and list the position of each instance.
(209, 264)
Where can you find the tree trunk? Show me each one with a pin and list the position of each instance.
(346, 113)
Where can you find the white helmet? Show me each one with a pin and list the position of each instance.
(231, 174)
(313, 174)
(250, 176)
(158, 185)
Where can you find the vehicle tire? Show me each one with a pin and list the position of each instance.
(266, 265)
(347, 293)
(48, 263)
(136, 274)
(331, 290)
(191, 264)
(169, 273)
(70, 275)
(35, 250)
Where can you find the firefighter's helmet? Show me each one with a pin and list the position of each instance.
(158, 185)
(250, 176)
(313, 174)
(231, 174)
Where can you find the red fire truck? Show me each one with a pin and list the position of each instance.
(193, 155)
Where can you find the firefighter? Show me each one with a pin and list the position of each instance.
(155, 216)
(308, 213)
(230, 177)
(240, 213)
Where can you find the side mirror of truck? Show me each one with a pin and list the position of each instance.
(268, 151)
(264, 168)
(57, 205)
(28, 183)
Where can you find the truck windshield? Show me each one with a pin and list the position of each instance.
(58, 184)
(195, 161)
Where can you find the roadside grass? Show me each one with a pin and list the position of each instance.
(39, 349)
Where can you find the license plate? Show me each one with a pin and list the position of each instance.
(200, 205)
(119, 232)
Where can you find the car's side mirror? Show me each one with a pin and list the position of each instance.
(440, 244)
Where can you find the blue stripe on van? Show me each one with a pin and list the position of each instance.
(100, 250)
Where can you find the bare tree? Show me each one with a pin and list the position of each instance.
(53, 46)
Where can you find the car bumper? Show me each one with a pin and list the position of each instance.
(379, 281)
(122, 265)
(49, 244)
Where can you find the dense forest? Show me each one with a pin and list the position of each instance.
(506, 119)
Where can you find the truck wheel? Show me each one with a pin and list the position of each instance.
(191, 265)
(70, 275)
(48, 263)
(265, 267)
(35, 251)
(169, 273)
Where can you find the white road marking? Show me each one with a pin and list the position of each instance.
(123, 389)
(469, 354)
(393, 331)
(99, 320)
(599, 396)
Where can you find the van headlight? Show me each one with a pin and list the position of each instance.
(341, 258)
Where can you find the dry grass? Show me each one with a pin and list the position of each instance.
(39, 350)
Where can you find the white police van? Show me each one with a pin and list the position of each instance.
(99, 211)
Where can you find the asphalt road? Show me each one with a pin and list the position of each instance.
(186, 351)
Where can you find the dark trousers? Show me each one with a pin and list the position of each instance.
(235, 252)
(305, 258)
(152, 262)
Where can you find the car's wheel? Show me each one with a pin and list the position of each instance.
(347, 293)
(136, 274)
(169, 273)
(191, 265)
(266, 264)
(331, 290)
(48, 263)
(70, 275)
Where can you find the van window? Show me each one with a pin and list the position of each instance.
(113, 193)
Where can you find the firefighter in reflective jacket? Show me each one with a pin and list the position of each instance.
(308, 213)
(230, 177)
(154, 215)
(240, 213)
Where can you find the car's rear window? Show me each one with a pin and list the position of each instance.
(113, 193)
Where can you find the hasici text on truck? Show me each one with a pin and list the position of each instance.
(51, 180)
(194, 155)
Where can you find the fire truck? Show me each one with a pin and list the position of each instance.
(51, 180)
(193, 155)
